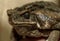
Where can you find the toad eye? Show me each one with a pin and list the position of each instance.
(26, 15)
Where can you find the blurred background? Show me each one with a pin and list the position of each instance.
(5, 27)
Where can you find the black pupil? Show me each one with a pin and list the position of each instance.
(26, 15)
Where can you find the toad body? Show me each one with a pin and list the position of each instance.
(35, 20)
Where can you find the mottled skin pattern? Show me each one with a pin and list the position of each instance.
(35, 20)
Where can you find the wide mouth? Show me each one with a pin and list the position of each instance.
(34, 39)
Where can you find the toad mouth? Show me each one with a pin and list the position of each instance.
(35, 39)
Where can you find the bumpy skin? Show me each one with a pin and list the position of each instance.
(43, 20)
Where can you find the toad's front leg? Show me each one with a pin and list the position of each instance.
(54, 35)
(15, 36)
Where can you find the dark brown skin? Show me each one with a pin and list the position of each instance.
(38, 19)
